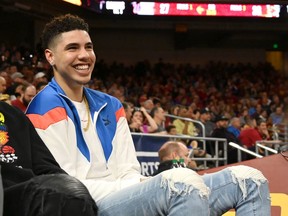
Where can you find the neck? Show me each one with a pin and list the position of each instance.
(158, 121)
(75, 94)
(73, 91)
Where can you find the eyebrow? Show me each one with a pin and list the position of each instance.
(77, 44)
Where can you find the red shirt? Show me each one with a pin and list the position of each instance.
(249, 136)
(17, 103)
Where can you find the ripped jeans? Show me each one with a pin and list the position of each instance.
(181, 191)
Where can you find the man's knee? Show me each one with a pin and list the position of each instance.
(181, 181)
(241, 174)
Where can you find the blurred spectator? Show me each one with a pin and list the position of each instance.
(158, 114)
(39, 77)
(171, 130)
(148, 105)
(235, 126)
(205, 119)
(128, 111)
(277, 116)
(185, 127)
(27, 94)
(221, 132)
(248, 137)
(2, 85)
(174, 151)
(40, 86)
(138, 124)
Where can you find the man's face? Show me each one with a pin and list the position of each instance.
(173, 131)
(2, 85)
(160, 114)
(184, 153)
(28, 95)
(222, 124)
(262, 127)
(128, 113)
(72, 58)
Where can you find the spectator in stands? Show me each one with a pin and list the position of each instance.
(17, 79)
(107, 165)
(173, 110)
(40, 86)
(128, 111)
(221, 132)
(265, 102)
(276, 102)
(277, 116)
(205, 119)
(27, 94)
(184, 126)
(235, 126)
(7, 78)
(250, 122)
(243, 114)
(171, 130)
(220, 201)
(33, 182)
(148, 105)
(2, 85)
(158, 114)
(248, 137)
(39, 77)
(196, 114)
(138, 124)
(173, 150)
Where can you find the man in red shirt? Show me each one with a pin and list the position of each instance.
(27, 94)
(249, 136)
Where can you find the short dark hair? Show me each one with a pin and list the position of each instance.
(260, 120)
(61, 24)
(125, 105)
(170, 127)
(153, 111)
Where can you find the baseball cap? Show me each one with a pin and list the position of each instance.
(39, 75)
(204, 110)
(221, 118)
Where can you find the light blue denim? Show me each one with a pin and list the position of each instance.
(181, 191)
(240, 187)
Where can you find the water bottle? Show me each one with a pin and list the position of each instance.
(174, 164)
(182, 163)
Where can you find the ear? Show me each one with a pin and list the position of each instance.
(49, 56)
(174, 155)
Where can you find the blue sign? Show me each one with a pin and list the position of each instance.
(147, 152)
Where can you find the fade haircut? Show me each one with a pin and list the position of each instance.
(61, 24)
(167, 148)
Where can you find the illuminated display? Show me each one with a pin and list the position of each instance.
(191, 9)
(186, 9)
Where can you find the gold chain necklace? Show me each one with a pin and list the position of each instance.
(88, 113)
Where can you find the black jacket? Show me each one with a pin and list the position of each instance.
(22, 152)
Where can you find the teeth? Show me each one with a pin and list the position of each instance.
(82, 67)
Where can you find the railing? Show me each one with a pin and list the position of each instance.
(266, 149)
(241, 149)
(147, 146)
(275, 143)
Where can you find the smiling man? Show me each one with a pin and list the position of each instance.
(88, 134)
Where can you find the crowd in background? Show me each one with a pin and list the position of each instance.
(228, 90)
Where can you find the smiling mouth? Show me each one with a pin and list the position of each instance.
(82, 67)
